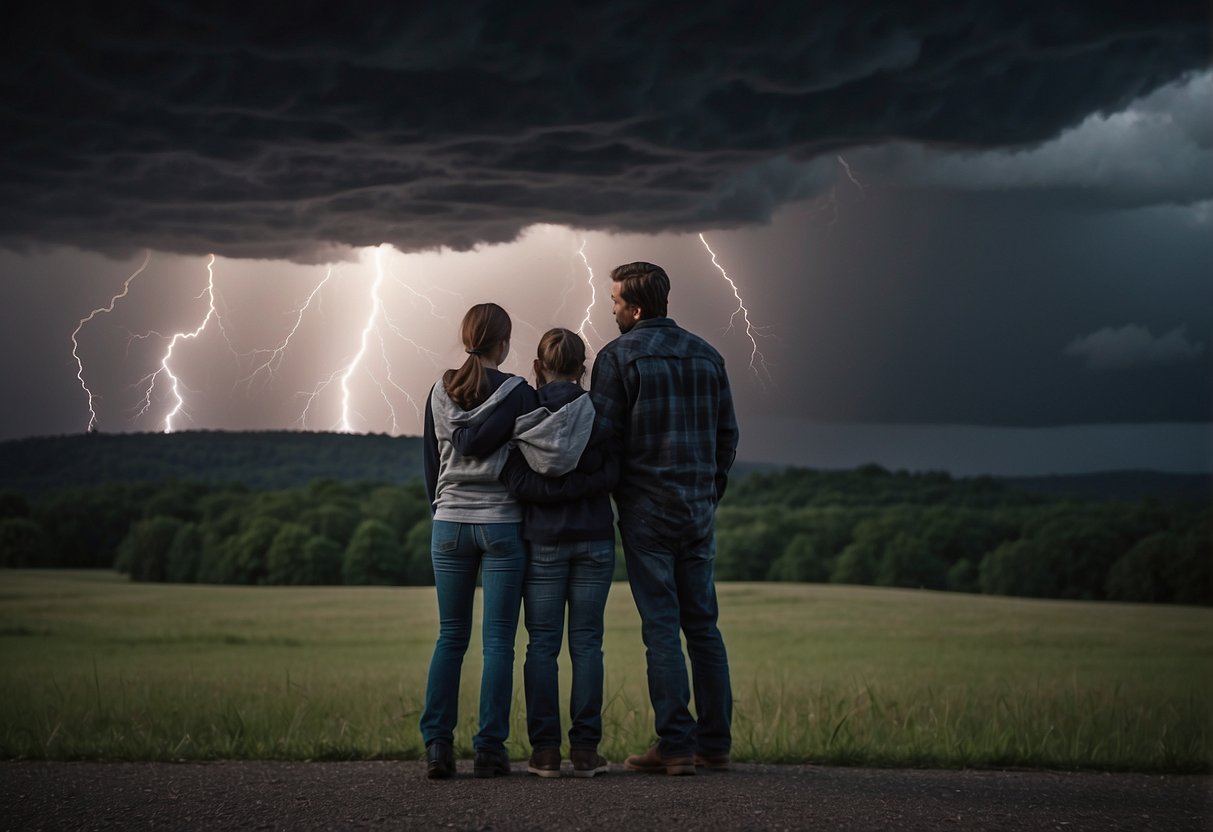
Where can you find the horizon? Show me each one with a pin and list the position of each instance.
(894, 459)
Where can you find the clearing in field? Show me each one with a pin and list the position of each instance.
(96, 667)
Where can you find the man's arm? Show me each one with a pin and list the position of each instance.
(526, 485)
(610, 398)
(726, 435)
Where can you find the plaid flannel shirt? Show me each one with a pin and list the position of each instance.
(663, 394)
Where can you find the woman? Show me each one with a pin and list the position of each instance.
(568, 526)
(477, 526)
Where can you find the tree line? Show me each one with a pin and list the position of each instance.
(871, 526)
(261, 460)
(867, 526)
(328, 532)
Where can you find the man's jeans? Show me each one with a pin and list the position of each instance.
(458, 551)
(577, 573)
(672, 582)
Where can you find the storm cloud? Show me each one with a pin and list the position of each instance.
(253, 130)
(1134, 346)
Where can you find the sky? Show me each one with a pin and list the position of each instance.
(975, 239)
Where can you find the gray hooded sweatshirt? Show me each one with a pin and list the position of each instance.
(468, 488)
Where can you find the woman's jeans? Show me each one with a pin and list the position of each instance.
(576, 574)
(459, 551)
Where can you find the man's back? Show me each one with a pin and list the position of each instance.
(666, 394)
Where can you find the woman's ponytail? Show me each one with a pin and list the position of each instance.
(484, 327)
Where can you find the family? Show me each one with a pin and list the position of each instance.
(520, 481)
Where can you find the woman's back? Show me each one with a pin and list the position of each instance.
(467, 489)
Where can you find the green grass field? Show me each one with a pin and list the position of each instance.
(95, 667)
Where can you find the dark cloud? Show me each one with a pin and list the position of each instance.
(1156, 151)
(264, 130)
(1133, 346)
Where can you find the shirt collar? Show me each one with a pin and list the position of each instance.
(648, 322)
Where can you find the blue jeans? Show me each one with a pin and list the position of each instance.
(458, 551)
(576, 573)
(673, 585)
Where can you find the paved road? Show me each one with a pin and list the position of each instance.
(395, 795)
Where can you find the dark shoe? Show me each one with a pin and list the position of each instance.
(712, 762)
(545, 763)
(491, 763)
(651, 762)
(587, 762)
(439, 760)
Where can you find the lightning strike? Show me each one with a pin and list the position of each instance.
(593, 299)
(376, 305)
(757, 360)
(276, 354)
(315, 394)
(387, 363)
(376, 325)
(426, 351)
(175, 384)
(831, 201)
(429, 302)
(92, 413)
(862, 188)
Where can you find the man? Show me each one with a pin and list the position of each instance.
(664, 395)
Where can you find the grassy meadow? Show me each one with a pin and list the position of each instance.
(95, 667)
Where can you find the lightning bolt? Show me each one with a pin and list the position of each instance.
(831, 202)
(175, 383)
(376, 319)
(429, 302)
(593, 299)
(376, 305)
(863, 189)
(391, 408)
(92, 413)
(315, 394)
(757, 360)
(426, 351)
(276, 354)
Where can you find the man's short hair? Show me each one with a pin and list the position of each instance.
(644, 285)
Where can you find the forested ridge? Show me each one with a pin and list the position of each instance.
(258, 460)
(212, 507)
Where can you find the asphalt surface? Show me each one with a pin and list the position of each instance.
(396, 795)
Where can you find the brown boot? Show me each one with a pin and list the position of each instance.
(587, 762)
(712, 762)
(545, 763)
(651, 762)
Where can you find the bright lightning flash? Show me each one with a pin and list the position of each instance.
(376, 306)
(581, 329)
(757, 361)
(376, 319)
(175, 383)
(92, 413)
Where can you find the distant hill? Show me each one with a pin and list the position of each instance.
(260, 460)
(285, 459)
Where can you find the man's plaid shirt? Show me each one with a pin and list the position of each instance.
(663, 394)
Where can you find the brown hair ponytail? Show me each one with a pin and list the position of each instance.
(484, 327)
